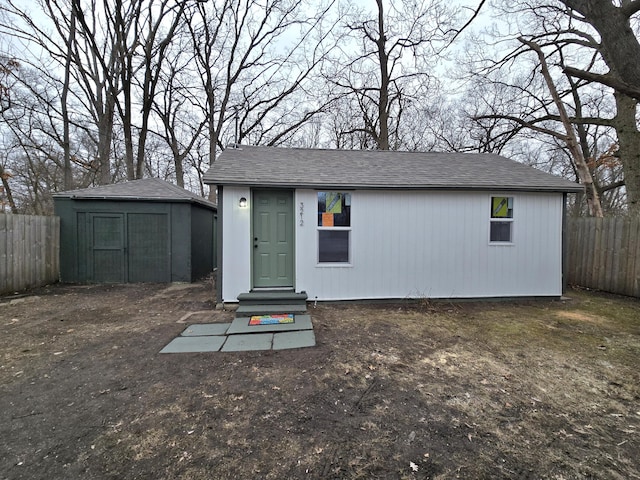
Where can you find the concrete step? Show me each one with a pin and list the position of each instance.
(272, 298)
(249, 310)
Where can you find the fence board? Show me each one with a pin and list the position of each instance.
(4, 268)
(603, 253)
(576, 230)
(634, 275)
(29, 251)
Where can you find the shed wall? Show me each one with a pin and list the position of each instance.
(162, 232)
(415, 244)
(203, 242)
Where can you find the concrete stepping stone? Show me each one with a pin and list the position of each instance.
(204, 329)
(251, 341)
(194, 344)
(300, 339)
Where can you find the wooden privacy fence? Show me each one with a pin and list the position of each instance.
(604, 254)
(29, 251)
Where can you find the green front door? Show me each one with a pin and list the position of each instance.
(273, 239)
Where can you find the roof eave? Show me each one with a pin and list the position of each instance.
(130, 198)
(353, 186)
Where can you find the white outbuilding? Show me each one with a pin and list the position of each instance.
(357, 225)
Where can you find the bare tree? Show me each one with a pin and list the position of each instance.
(64, 100)
(182, 127)
(569, 135)
(569, 44)
(251, 70)
(7, 67)
(93, 56)
(390, 72)
(618, 42)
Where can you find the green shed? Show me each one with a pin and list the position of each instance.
(140, 231)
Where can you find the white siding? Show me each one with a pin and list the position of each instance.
(236, 243)
(435, 244)
(412, 244)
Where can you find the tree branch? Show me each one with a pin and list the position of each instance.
(476, 12)
(605, 79)
(630, 8)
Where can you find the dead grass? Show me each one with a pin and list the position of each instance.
(540, 390)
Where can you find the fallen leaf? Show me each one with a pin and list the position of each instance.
(413, 466)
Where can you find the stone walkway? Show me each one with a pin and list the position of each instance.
(239, 336)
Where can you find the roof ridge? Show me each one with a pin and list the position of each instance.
(366, 151)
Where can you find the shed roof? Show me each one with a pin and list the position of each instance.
(378, 169)
(148, 189)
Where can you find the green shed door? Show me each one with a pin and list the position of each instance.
(148, 238)
(107, 254)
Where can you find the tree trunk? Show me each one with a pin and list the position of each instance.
(105, 134)
(629, 149)
(618, 43)
(66, 141)
(584, 174)
(4, 177)
(620, 50)
(127, 123)
(213, 137)
(383, 101)
(179, 171)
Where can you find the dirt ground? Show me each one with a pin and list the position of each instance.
(524, 390)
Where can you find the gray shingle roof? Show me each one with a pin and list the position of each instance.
(359, 169)
(152, 189)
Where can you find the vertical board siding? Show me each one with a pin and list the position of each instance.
(412, 244)
(603, 254)
(236, 243)
(29, 251)
(435, 245)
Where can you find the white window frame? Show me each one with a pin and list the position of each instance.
(319, 228)
(511, 220)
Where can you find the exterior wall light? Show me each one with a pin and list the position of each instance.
(243, 202)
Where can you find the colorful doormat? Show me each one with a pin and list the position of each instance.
(271, 319)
